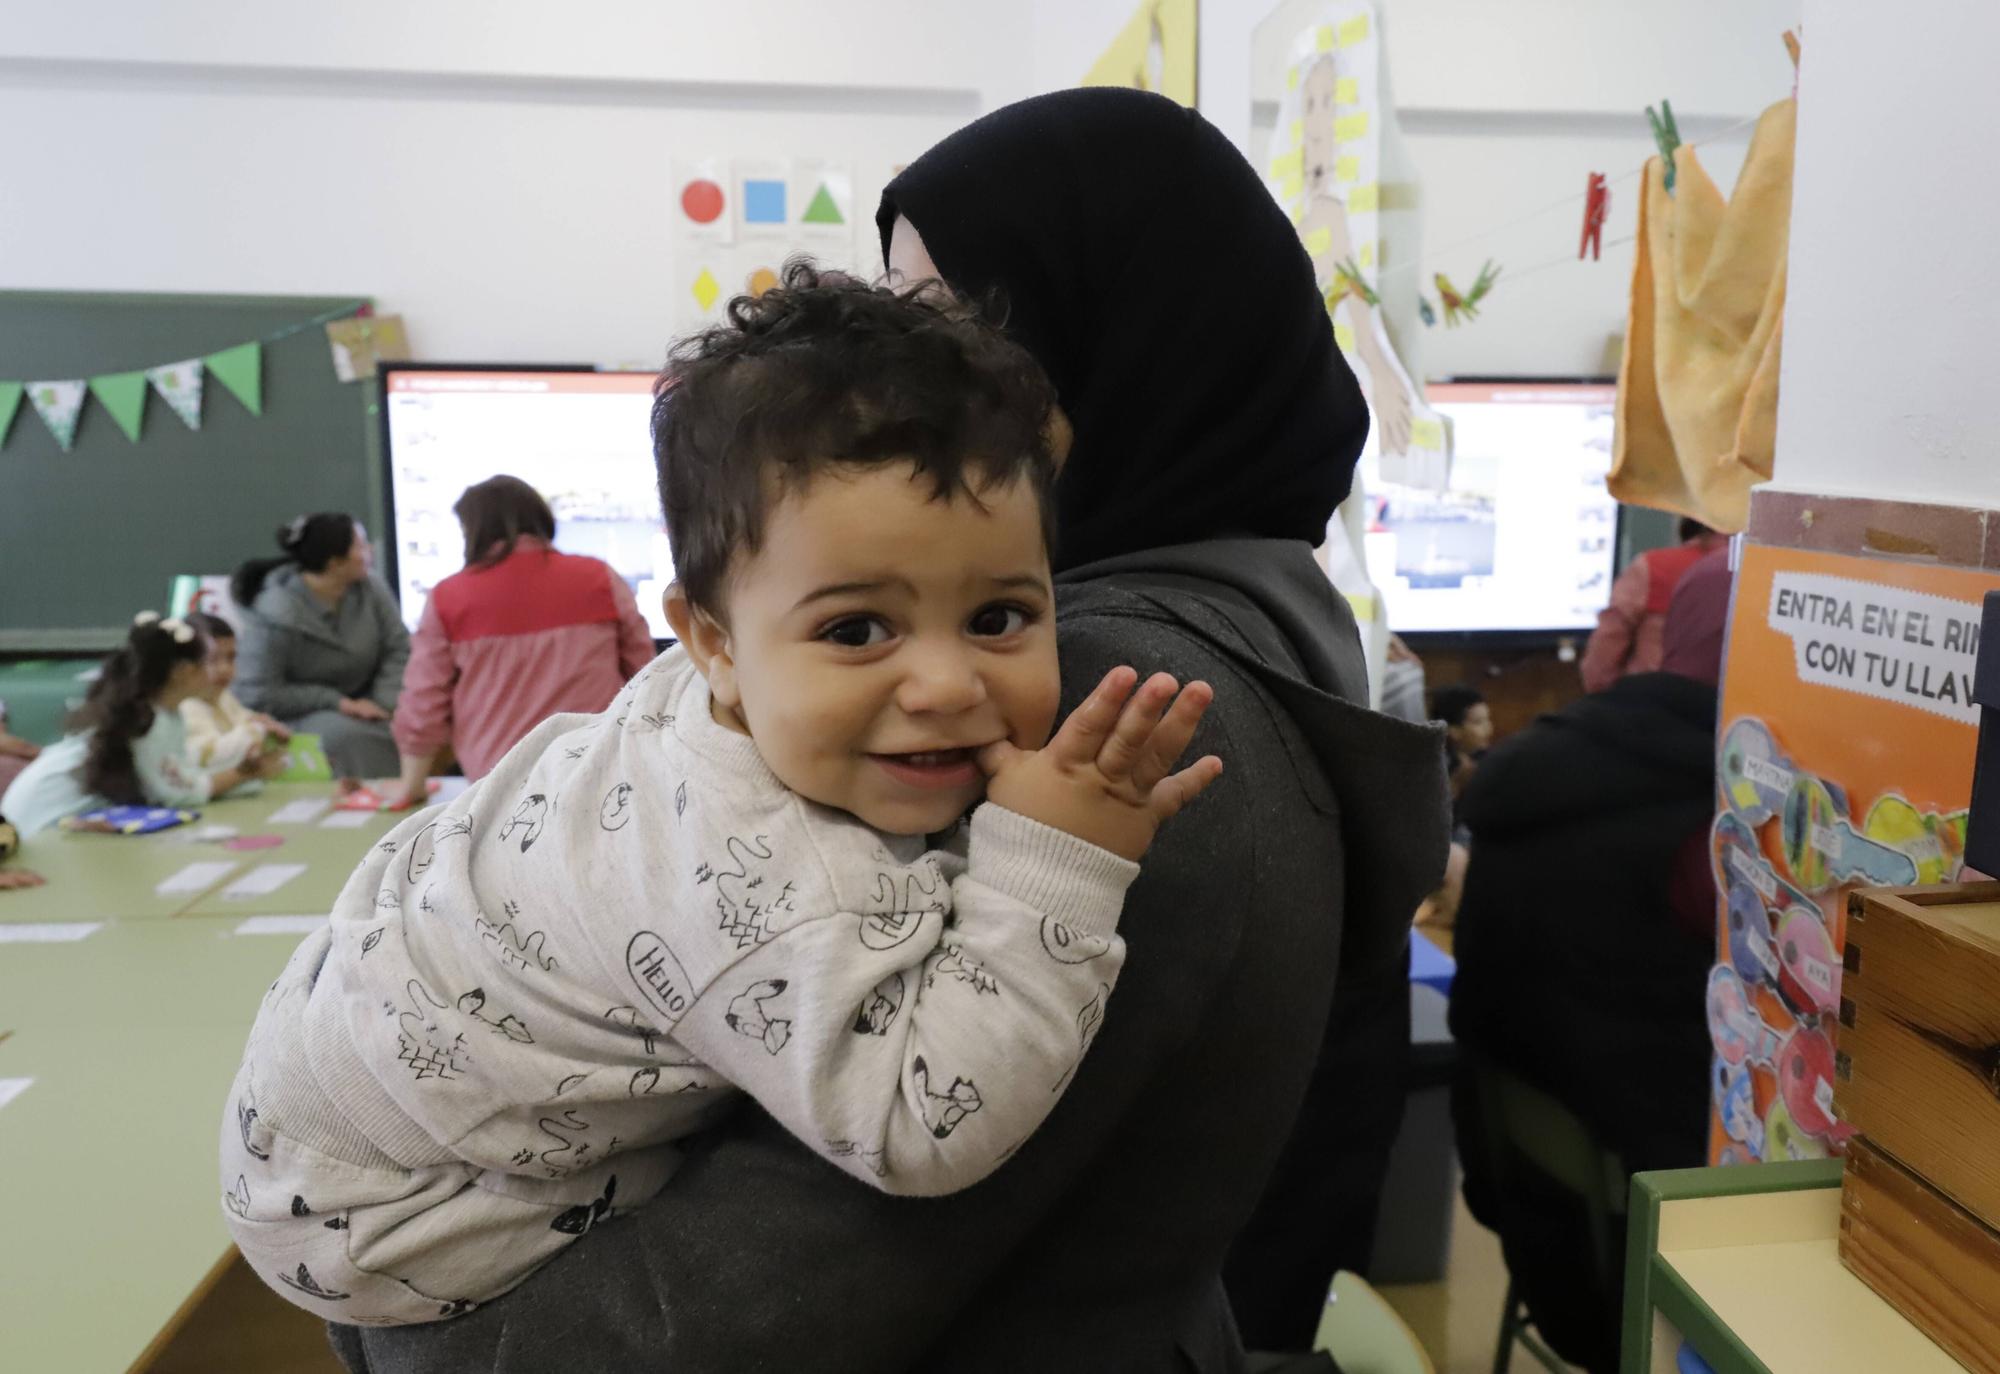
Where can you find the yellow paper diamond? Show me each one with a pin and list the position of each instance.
(706, 289)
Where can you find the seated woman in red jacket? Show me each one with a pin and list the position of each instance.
(523, 633)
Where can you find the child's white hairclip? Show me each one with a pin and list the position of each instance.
(146, 618)
(295, 531)
(182, 632)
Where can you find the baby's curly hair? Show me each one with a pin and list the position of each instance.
(822, 372)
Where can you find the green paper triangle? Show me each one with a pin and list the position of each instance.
(124, 395)
(241, 371)
(824, 209)
(10, 406)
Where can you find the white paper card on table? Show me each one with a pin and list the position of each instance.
(48, 932)
(347, 820)
(280, 925)
(304, 811)
(261, 881)
(196, 877)
(11, 1088)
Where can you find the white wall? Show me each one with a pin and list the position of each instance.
(498, 169)
(499, 172)
(1888, 362)
(1506, 105)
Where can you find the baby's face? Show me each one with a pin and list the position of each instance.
(880, 637)
(221, 666)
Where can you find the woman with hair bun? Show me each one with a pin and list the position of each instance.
(323, 645)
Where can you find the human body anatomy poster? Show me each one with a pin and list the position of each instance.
(1844, 759)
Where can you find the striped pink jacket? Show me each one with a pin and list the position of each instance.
(502, 648)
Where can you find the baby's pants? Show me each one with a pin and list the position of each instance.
(373, 1243)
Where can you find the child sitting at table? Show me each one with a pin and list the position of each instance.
(222, 731)
(129, 747)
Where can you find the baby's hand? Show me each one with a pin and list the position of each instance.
(1107, 775)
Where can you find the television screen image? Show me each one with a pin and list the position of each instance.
(581, 439)
(1523, 536)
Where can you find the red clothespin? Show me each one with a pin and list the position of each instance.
(1596, 207)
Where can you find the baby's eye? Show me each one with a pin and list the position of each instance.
(856, 632)
(1000, 621)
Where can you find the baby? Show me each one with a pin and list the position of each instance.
(722, 885)
(222, 731)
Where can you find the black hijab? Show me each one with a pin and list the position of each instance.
(1138, 257)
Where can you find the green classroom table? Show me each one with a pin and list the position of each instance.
(95, 877)
(113, 1222)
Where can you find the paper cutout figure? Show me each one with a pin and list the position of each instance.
(179, 385)
(59, 404)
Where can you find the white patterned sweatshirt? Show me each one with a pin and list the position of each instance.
(631, 916)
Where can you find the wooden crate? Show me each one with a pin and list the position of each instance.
(1918, 1072)
(1927, 1257)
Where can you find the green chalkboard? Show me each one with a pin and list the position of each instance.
(90, 536)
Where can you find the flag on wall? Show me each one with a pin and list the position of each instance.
(241, 372)
(179, 385)
(59, 404)
(10, 406)
(124, 395)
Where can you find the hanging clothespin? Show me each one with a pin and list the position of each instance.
(1596, 206)
(1666, 136)
(1792, 47)
(1426, 311)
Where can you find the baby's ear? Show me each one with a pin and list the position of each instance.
(707, 642)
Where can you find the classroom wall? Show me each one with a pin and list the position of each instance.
(1888, 343)
(498, 172)
(1505, 108)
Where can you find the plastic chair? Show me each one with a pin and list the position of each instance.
(1364, 1334)
(1521, 1123)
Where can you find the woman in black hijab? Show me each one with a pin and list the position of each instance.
(1214, 430)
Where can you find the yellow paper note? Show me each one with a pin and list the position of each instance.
(1354, 31)
(1292, 186)
(1427, 434)
(1319, 242)
(1367, 255)
(1363, 605)
(1292, 164)
(1291, 78)
(1343, 337)
(1346, 91)
(1297, 133)
(1347, 169)
(1323, 40)
(1348, 128)
(1295, 213)
(1364, 200)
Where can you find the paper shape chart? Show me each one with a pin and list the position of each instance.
(763, 200)
(823, 209)
(702, 201)
(706, 288)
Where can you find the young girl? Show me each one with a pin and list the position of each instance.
(129, 747)
(222, 731)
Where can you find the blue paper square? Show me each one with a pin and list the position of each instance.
(763, 202)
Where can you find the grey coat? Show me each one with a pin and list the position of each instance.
(297, 660)
(1098, 1245)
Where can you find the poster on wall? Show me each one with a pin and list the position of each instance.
(1157, 50)
(822, 203)
(764, 199)
(1844, 760)
(704, 207)
(1326, 170)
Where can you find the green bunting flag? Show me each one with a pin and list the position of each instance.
(59, 404)
(10, 406)
(179, 385)
(241, 372)
(124, 395)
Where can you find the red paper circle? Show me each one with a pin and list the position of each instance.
(701, 201)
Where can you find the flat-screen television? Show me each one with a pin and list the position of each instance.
(1522, 539)
(580, 438)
